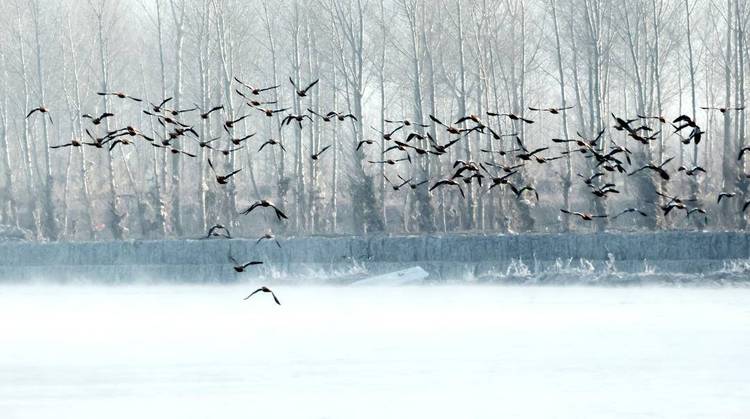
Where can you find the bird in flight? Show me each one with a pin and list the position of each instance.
(240, 267)
(265, 204)
(264, 289)
(42, 110)
(222, 179)
(303, 92)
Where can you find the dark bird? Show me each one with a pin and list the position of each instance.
(218, 230)
(387, 135)
(473, 118)
(405, 123)
(553, 111)
(42, 110)
(264, 289)
(629, 210)
(674, 199)
(694, 210)
(206, 143)
(687, 122)
(222, 179)
(269, 112)
(160, 107)
(265, 204)
(340, 115)
(255, 90)
(498, 180)
(528, 155)
(449, 182)
(659, 118)
(590, 180)
(657, 168)
(230, 124)
(72, 143)
(363, 142)
(725, 195)
(303, 92)
(584, 215)
(97, 120)
(317, 155)
(298, 118)
(722, 110)
(691, 172)
(204, 115)
(268, 236)
(256, 103)
(442, 148)
(326, 118)
(240, 267)
(520, 191)
(513, 117)
(120, 95)
(177, 152)
(602, 191)
(504, 168)
(389, 162)
(415, 185)
(229, 151)
(271, 141)
(450, 129)
(238, 141)
(121, 140)
(396, 186)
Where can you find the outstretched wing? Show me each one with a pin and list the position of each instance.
(275, 299)
(253, 293)
(311, 85)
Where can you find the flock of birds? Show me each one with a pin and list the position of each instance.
(414, 142)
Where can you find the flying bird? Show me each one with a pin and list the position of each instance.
(97, 120)
(240, 267)
(268, 236)
(317, 155)
(42, 110)
(255, 90)
(218, 230)
(120, 95)
(584, 215)
(222, 179)
(553, 111)
(271, 141)
(265, 204)
(264, 289)
(303, 92)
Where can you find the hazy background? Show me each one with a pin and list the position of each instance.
(378, 59)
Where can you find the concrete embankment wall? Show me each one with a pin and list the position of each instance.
(443, 256)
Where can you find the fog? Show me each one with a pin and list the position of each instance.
(573, 68)
(307, 145)
(372, 352)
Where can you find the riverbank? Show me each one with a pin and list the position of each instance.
(510, 258)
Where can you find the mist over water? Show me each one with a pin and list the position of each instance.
(373, 352)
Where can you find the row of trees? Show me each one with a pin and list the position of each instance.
(379, 59)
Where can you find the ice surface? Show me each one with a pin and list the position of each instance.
(370, 352)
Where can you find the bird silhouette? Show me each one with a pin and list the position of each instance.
(264, 289)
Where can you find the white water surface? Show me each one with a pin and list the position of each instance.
(155, 351)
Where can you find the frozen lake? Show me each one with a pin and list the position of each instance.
(365, 352)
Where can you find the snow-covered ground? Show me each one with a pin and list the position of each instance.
(370, 352)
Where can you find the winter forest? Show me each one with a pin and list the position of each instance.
(428, 116)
